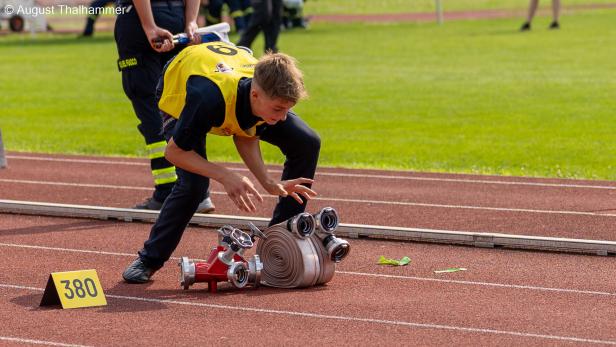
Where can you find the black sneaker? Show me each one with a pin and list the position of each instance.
(137, 272)
(554, 25)
(149, 204)
(525, 26)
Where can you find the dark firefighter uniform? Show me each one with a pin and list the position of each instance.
(267, 17)
(94, 10)
(141, 67)
(239, 10)
(206, 90)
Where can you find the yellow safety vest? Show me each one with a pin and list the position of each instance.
(222, 63)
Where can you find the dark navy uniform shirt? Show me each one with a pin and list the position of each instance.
(205, 108)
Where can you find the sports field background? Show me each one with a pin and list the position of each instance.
(469, 96)
(398, 6)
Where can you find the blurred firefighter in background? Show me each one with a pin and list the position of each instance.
(239, 10)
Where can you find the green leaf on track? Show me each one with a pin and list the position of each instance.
(394, 262)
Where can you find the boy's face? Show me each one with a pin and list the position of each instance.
(271, 110)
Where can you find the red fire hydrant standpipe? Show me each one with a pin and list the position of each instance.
(226, 262)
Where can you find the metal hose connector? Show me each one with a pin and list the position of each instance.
(337, 249)
(326, 220)
(187, 272)
(303, 225)
(255, 267)
(237, 274)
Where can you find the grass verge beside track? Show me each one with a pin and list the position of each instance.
(470, 96)
(317, 7)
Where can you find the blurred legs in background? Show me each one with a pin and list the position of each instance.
(238, 10)
(532, 9)
(88, 30)
(293, 14)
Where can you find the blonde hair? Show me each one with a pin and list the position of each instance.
(278, 76)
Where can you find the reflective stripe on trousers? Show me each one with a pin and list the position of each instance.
(156, 149)
(166, 175)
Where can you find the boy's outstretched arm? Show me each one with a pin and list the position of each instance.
(250, 151)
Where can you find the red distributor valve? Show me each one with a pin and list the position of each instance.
(225, 263)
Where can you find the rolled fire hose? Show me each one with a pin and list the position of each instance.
(328, 267)
(294, 259)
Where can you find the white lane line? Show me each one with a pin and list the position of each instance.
(36, 342)
(61, 249)
(70, 184)
(337, 174)
(486, 284)
(360, 201)
(467, 180)
(80, 161)
(351, 273)
(346, 318)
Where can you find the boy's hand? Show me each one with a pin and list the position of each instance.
(239, 188)
(293, 188)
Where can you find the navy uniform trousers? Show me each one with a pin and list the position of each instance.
(141, 68)
(297, 141)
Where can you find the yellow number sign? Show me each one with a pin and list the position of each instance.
(74, 289)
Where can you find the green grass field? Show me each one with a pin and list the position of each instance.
(470, 96)
(396, 6)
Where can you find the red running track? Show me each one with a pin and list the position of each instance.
(513, 205)
(505, 298)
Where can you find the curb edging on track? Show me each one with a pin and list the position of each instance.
(477, 239)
